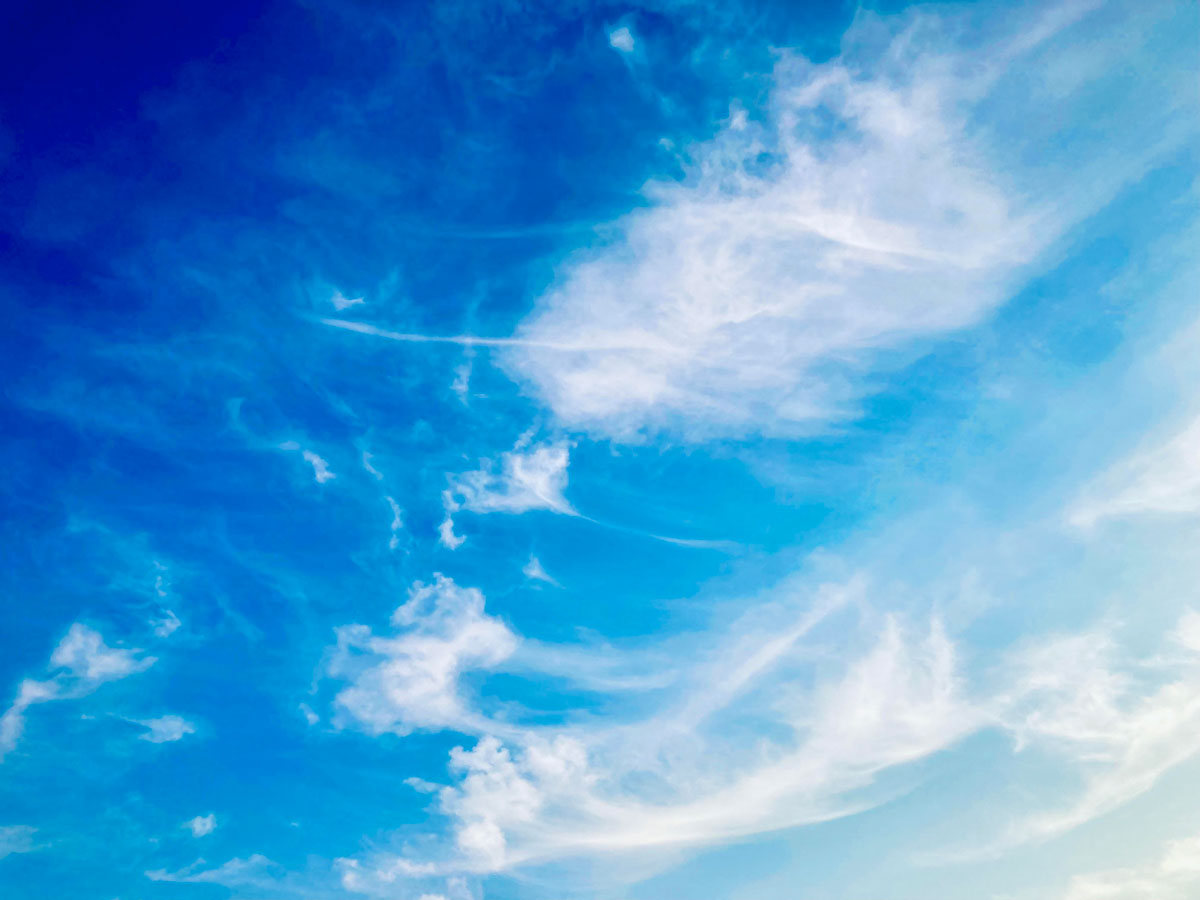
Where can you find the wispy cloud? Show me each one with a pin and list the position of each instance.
(526, 478)
(80, 664)
(251, 871)
(1174, 876)
(397, 524)
(16, 839)
(530, 794)
(540, 795)
(465, 340)
(341, 302)
(85, 656)
(877, 202)
(835, 222)
(167, 625)
(534, 571)
(321, 470)
(1079, 698)
(527, 794)
(1163, 479)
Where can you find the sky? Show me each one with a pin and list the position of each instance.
(600, 451)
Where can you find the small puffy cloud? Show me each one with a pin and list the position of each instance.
(526, 478)
(16, 839)
(341, 302)
(321, 470)
(621, 38)
(498, 792)
(165, 729)
(167, 625)
(534, 571)
(446, 536)
(309, 715)
(410, 681)
(201, 825)
(85, 654)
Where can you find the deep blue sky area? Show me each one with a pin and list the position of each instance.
(571, 450)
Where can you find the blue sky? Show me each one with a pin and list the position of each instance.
(741, 451)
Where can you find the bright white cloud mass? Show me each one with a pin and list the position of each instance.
(412, 680)
(876, 200)
(755, 455)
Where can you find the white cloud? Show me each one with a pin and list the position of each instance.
(886, 214)
(1076, 697)
(543, 794)
(83, 662)
(16, 839)
(397, 523)
(498, 794)
(12, 723)
(320, 468)
(882, 199)
(321, 471)
(446, 536)
(341, 302)
(382, 877)
(201, 825)
(369, 468)
(1175, 876)
(684, 776)
(535, 571)
(309, 716)
(251, 871)
(621, 39)
(400, 878)
(84, 653)
(525, 479)
(411, 680)
(165, 729)
(462, 382)
(167, 625)
(1163, 479)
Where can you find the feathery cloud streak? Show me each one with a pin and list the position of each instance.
(879, 201)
